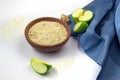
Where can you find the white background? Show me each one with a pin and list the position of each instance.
(15, 53)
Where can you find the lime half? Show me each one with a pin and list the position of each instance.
(80, 27)
(87, 15)
(82, 15)
(76, 13)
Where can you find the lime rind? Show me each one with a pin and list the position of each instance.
(48, 66)
(37, 60)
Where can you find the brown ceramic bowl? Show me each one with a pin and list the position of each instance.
(44, 48)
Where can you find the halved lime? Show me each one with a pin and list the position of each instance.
(76, 13)
(80, 27)
(86, 16)
(82, 15)
(39, 66)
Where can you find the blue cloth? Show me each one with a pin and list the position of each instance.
(101, 41)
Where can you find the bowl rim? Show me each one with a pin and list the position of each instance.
(34, 21)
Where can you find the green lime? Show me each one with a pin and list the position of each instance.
(86, 16)
(80, 27)
(76, 13)
(82, 15)
(39, 66)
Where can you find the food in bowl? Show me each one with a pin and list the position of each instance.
(47, 33)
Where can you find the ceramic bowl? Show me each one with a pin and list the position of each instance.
(45, 48)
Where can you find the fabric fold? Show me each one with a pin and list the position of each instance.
(97, 29)
(101, 39)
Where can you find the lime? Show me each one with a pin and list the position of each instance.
(82, 15)
(80, 27)
(76, 13)
(39, 66)
(86, 16)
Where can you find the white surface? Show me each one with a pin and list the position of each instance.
(70, 63)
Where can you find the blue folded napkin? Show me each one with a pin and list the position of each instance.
(101, 41)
